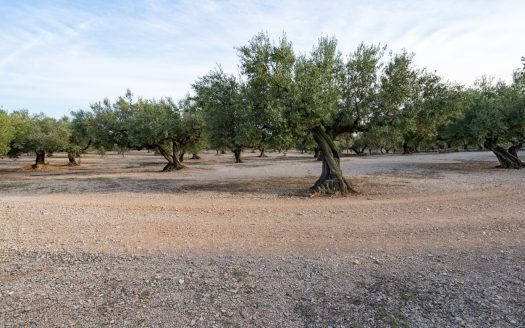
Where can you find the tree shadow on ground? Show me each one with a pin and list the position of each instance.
(104, 184)
(266, 186)
(465, 166)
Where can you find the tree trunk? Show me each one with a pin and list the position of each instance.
(72, 159)
(317, 153)
(508, 159)
(237, 154)
(262, 154)
(360, 151)
(406, 149)
(331, 180)
(513, 150)
(181, 156)
(40, 159)
(173, 159)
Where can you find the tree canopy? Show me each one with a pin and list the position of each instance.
(370, 98)
(268, 69)
(6, 132)
(494, 117)
(383, 98)
(226, 110)
(158, 125)
(38, 134)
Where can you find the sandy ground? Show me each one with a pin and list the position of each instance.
(431, 240)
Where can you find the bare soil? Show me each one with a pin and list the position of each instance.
(431, 240)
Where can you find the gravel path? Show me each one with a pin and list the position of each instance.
(433, 240)
(457, 288)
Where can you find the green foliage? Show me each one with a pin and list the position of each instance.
(81, 133)
(317, 91)
(304, 141)
(494, 117)
(38, 134)
(494, 113)
(358, 142)
(269, 78)
(383, 137)
(150, 123)
(192, 126)
(344, 142)
(360, 85)
(226, 110)
(6, 132)
(384, 102)
(433, 104)
(370, 99)
(158, 125)
(21, 123)
(108, 124)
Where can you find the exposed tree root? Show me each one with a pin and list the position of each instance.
(172, 167)
(331, 187)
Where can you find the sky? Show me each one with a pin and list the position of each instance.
(61, 56)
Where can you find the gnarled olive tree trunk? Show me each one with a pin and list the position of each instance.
(317, 153)
(407, 149)
(508, 158)
(359, 150)
(173, 158)
(331, 180)
(237, 154)
(40, 158)
(513, 150)
(72, 159)
(73, 154)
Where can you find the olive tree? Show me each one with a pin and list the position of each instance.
(281, 94)
(268, 70)
(158, 125)
(316, 104)
(336, 97)
(429, 105)
(108, 123)
(494, 117)
(320, 93)
(38, 134)
(82, 135)
(165, 127)
(6, 132)
(226, 110)
(193, 124)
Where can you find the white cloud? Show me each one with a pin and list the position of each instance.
(57, 57)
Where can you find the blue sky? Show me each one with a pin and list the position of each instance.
(58, 56)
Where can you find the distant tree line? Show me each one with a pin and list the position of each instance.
(371, 99)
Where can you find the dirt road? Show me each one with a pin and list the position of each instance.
(430, 240)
